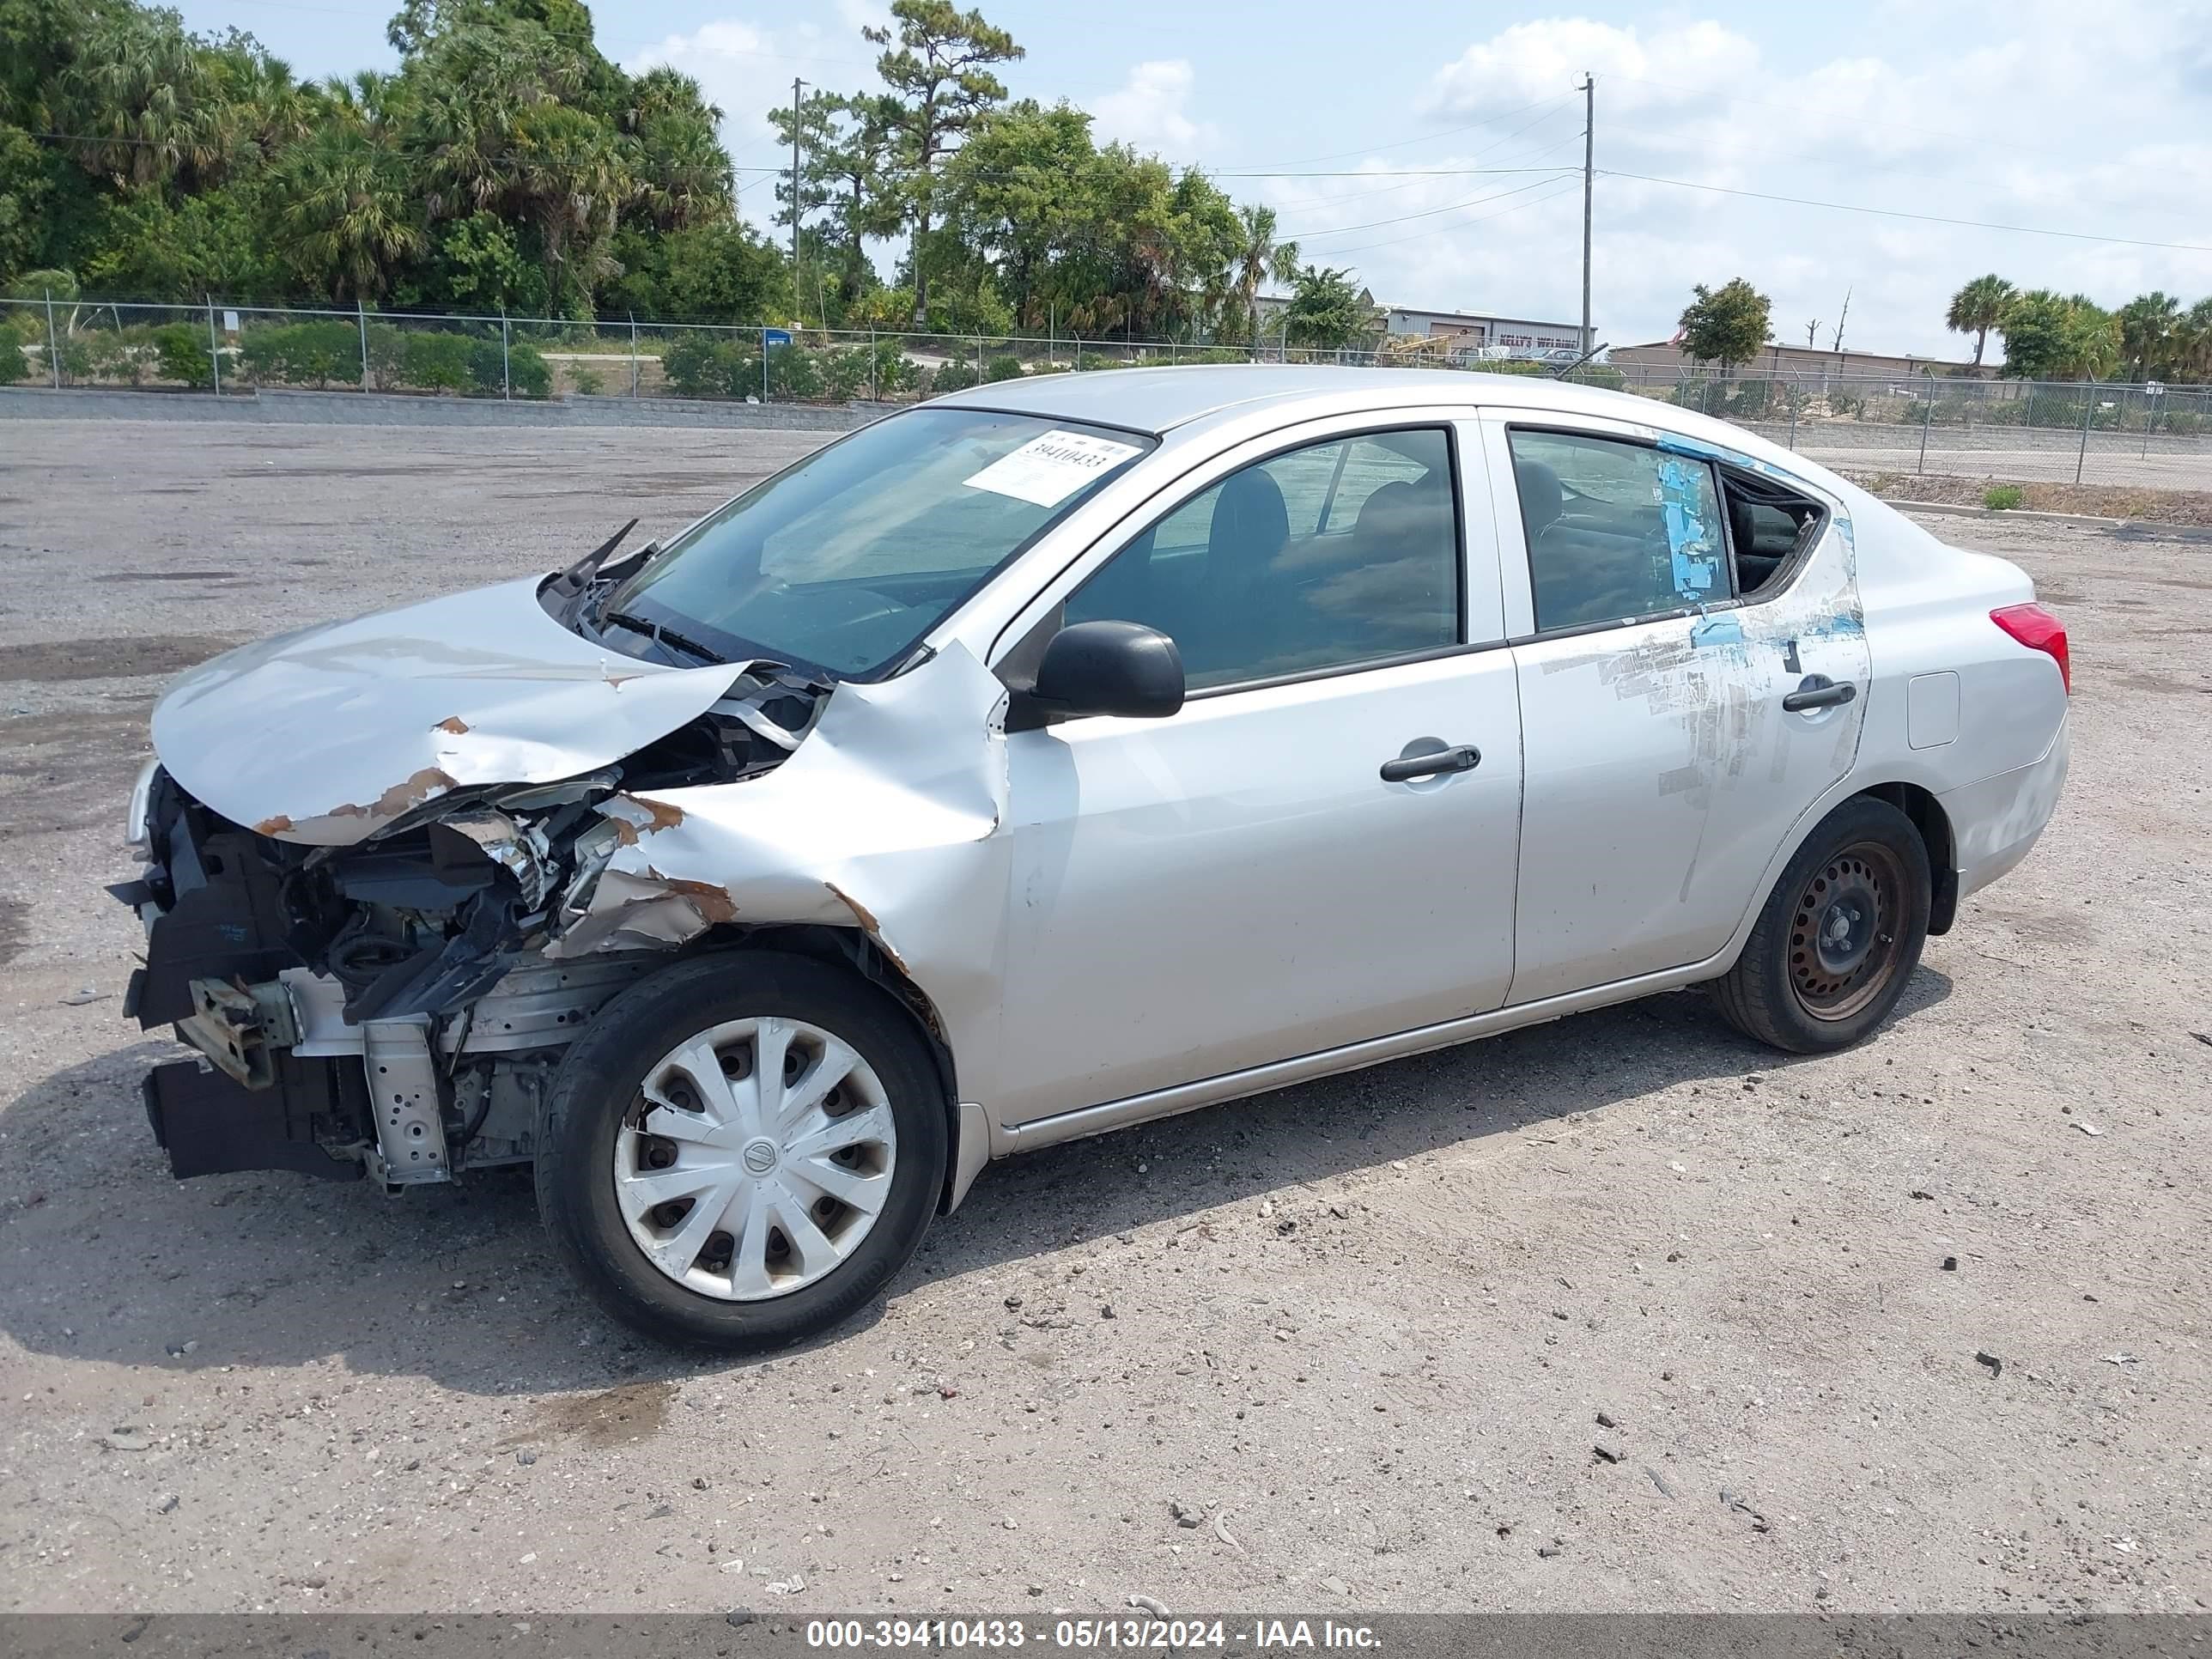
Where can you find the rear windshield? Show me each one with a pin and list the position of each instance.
(842, 563)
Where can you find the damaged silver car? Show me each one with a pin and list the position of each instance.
(1052, 757)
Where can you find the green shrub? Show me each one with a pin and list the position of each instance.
(955, 374)
(14, 362)
(440, 362)
(2002, 498)
(699, 365)
(119, 353)
(387, 356)
(1600, 374)
(301, 354)
(793, 374)
(1005, 367)
(182, 349)
(527, 373)
(848, 373)
(585, 380)
(1747, 397)
(74, 355)
(896, 372)
(487, 369)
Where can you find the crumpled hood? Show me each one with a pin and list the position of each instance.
(324, 735)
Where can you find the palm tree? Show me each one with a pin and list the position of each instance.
(2093, 338)
(572, 182)
(2148, 326)
(1979, 307)
(2192, 341)
(669, 132)
(135, 100)
(1260, 255)
(348, 209)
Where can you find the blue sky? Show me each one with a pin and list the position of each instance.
(1382, 135)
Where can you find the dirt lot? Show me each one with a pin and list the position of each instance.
(1361, 1330)
(2160, 506)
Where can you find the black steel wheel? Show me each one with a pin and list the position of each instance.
(1838, 937)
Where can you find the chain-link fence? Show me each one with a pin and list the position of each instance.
(217, 347)
(2089, 433)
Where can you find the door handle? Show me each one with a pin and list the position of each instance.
(1819, 691)
(1406, 767)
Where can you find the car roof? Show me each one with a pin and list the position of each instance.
(1158, 400)
(1204, 396)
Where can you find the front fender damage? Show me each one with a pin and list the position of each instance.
(873, 808)
(886, 818)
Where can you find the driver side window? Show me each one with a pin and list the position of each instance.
(1336, 554)
(1617, 531)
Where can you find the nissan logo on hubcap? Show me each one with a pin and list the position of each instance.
(760, 1157)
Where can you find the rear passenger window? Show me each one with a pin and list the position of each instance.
(1323, 557)
(1767, 523)
(1617, 531)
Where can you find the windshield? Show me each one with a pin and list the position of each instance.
(844, 562)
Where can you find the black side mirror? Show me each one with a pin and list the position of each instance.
(1108, 668)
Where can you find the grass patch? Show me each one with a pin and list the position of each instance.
(2001, 498)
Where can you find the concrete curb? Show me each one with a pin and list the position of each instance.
(2187, 533)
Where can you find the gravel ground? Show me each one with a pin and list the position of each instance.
(1348, 1343)
(2166, 507)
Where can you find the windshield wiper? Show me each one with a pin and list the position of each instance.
(659, 634)
(581, 572)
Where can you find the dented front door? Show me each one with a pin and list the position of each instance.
(1662, 769)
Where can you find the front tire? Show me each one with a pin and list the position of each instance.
(1838, 937)
(742, 1152)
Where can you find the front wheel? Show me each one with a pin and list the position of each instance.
(1838, 938)
(743, 1150)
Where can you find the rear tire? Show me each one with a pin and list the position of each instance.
(1838, 937)
(809, 1220)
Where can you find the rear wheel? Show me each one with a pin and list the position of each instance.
(743, 1150)
(1838, 937)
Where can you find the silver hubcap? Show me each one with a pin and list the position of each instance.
(756, 1160)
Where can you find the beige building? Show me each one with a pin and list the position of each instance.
(1664, 359)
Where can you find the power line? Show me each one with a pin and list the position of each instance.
(1429, 137)
(1902, 213)
(1566, 187)
(1551, 175)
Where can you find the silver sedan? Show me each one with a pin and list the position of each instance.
(1055, 756)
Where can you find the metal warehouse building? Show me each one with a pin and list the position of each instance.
(1470, 329)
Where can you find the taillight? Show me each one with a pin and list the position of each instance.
(2037, 629)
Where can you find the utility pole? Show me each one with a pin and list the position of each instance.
(796, 83)
(1590, 153)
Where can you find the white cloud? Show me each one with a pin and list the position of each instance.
(1150, 110)
(858, 15)
(2022, 130)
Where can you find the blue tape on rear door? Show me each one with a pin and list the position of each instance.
(1690, 539)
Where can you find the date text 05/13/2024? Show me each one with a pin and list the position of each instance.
(1079, 1635)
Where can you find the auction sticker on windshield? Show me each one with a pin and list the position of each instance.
(1046, 471)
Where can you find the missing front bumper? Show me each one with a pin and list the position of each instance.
(309, 1120)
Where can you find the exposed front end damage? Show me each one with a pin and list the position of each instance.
(387, 988)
